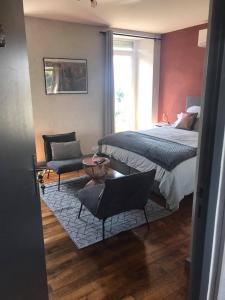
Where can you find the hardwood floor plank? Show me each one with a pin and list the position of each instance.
(134, 265)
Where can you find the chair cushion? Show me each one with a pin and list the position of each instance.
(64, 166)
(68, 150)
(56, 138)
(89, 197)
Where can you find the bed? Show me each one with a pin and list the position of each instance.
(172, 152)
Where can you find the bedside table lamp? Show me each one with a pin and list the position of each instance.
(165, 118)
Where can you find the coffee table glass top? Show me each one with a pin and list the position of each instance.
(98, 168)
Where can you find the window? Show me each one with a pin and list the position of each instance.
(124, 85)
(133, 78)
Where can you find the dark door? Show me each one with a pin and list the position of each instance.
(209, 196)
(22, 264)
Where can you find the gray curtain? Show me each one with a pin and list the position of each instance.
(109, 85)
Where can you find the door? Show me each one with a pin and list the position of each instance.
(22, 271)
(124, 90)
(133, 62)
(208, 236)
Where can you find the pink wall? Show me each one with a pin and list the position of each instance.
(182, 67)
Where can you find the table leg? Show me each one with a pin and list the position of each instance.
(41, 175)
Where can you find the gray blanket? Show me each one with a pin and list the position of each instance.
(164, 153)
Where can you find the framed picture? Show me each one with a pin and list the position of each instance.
(65, 76)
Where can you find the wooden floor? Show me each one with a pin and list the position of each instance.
(135, 265)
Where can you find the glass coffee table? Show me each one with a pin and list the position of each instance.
(98, 168)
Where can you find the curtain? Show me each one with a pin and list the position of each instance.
(109, 85)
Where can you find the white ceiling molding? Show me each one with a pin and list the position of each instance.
(202, 38)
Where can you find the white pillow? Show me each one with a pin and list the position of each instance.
(194, 109)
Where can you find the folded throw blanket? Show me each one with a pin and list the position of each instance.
(164, 153)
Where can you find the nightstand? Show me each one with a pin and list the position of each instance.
(162, 124)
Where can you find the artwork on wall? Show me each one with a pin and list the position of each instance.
(65, 76)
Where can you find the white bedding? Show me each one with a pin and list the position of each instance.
(173, 185)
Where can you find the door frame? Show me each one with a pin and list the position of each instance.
(209, 202)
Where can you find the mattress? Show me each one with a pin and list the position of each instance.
(174, 185)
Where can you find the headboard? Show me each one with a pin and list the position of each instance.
(193, 100)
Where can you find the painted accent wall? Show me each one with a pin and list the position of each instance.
(181, 72)
(72, 112)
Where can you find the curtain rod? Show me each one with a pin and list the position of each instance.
(133, 35)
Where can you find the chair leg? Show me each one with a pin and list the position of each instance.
(59, 183)
(81, 206)
(146, 218)
(103, 230)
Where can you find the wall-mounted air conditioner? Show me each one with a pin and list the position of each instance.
(202, 38)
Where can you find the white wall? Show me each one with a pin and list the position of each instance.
(64, 113)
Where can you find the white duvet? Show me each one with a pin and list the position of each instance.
(173, 185)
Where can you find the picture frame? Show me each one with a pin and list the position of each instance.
(65, 76)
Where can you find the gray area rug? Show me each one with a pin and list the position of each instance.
(87, 230)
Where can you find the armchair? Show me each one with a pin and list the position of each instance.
(117, 195)
(64, 165)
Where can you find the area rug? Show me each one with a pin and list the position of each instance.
(87, 230)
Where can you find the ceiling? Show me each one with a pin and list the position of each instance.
(156, 16)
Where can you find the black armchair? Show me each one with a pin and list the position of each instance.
(60, 166)
(117, 195)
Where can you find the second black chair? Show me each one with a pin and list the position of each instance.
(117, 195)
(63, 165)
